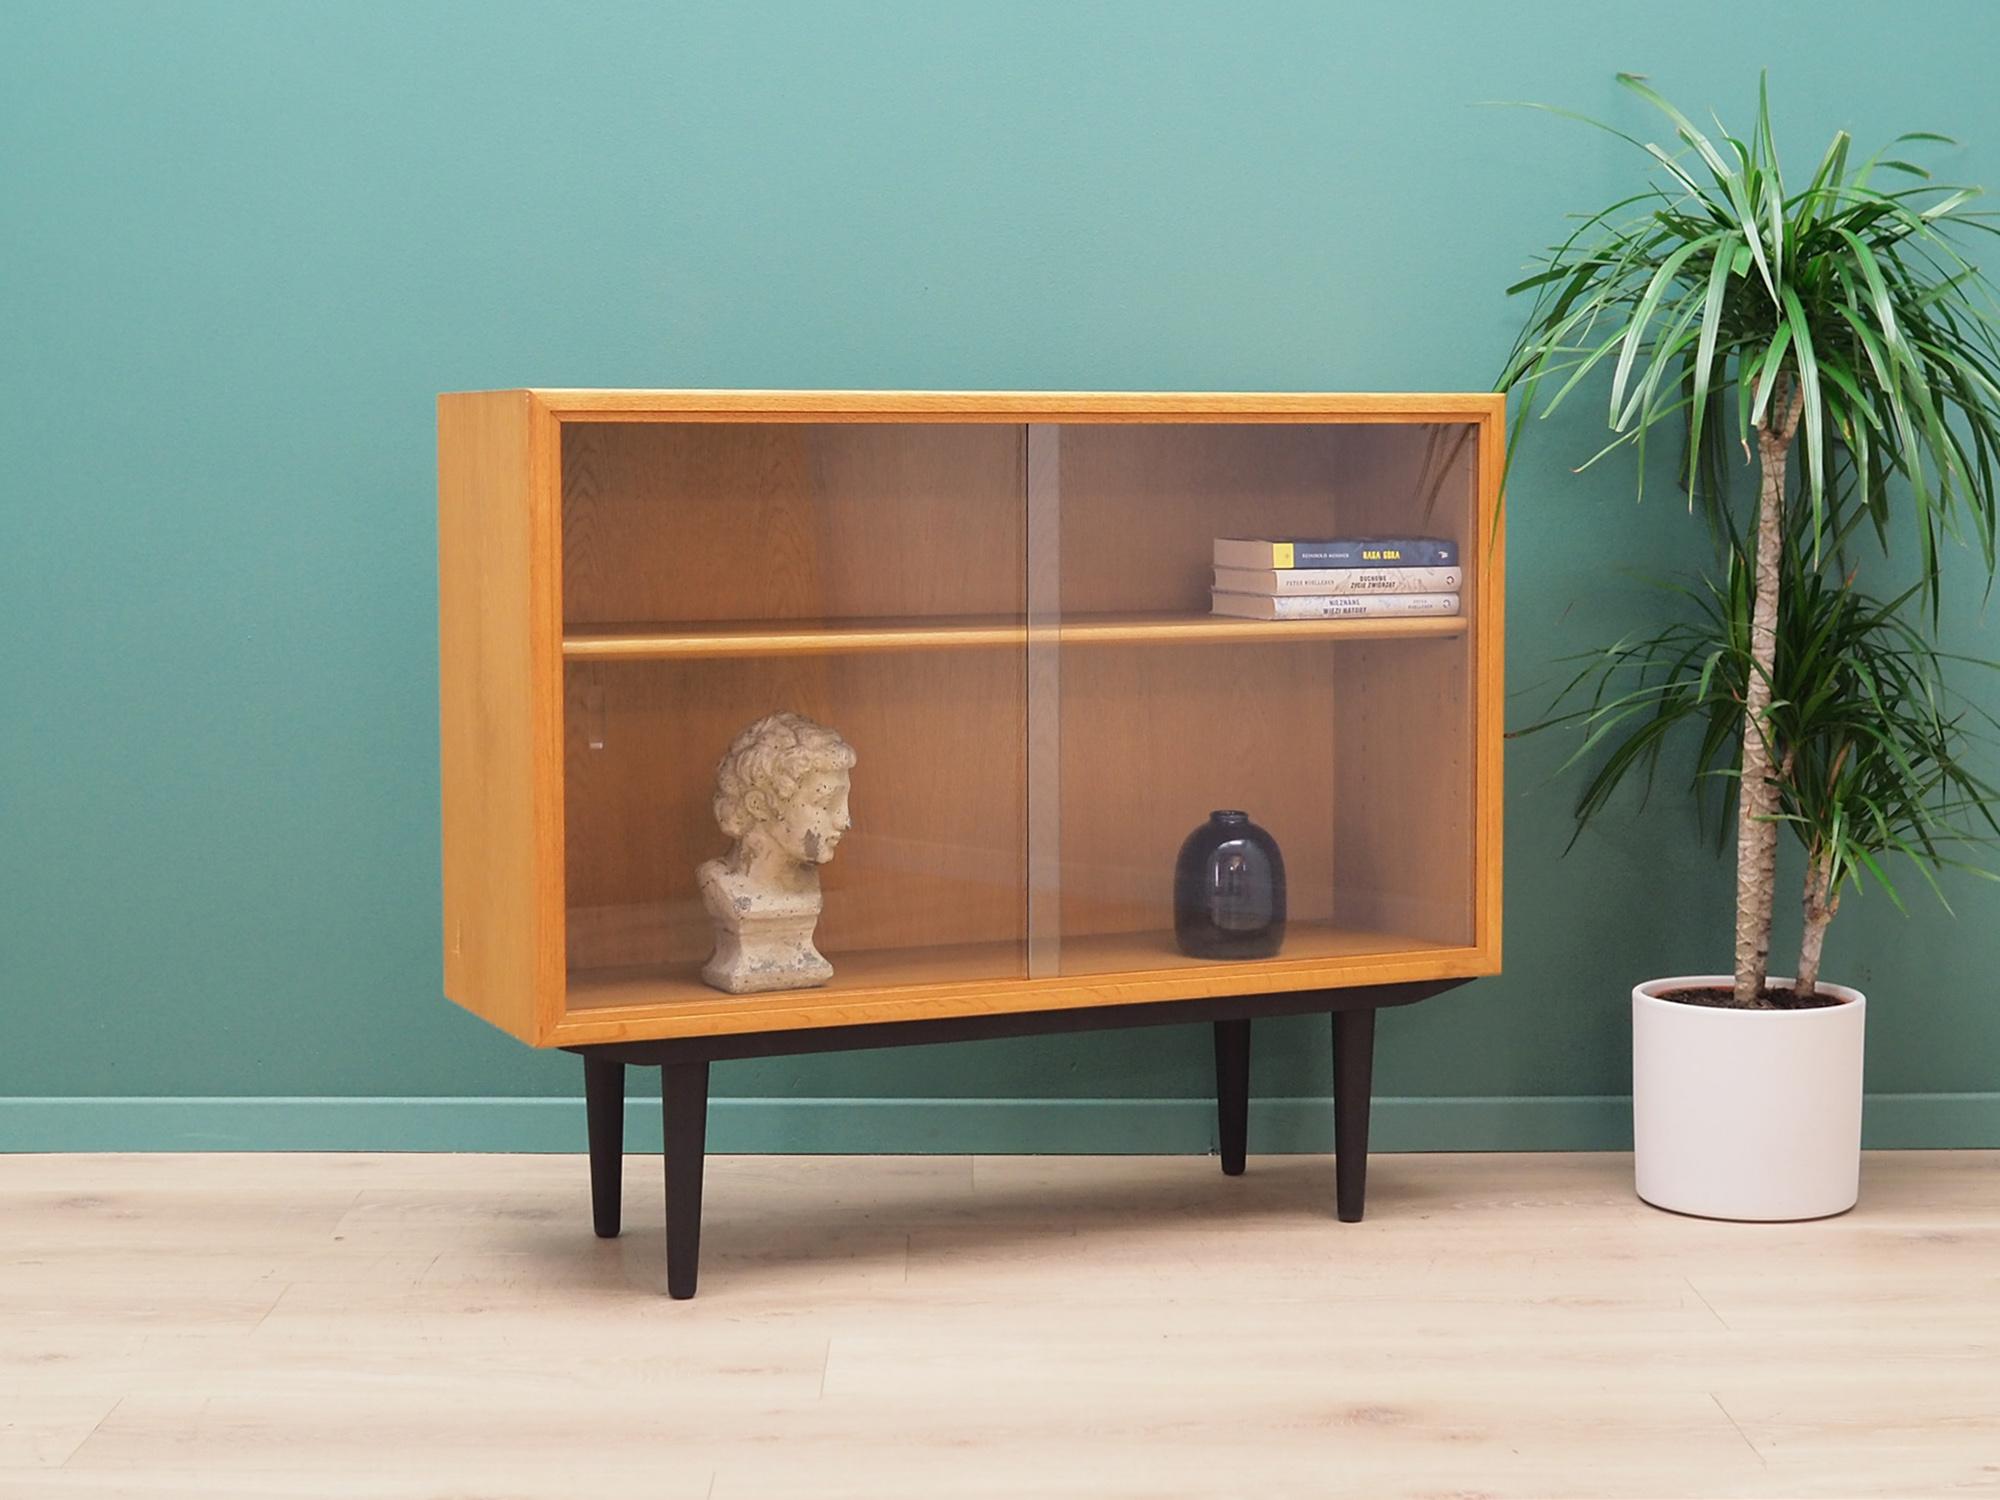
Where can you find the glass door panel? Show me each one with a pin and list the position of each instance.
(1349, 740)
(868, 576)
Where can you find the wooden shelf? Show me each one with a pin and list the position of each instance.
(966, 979)
(735, 638)
(1176, 629)
(1121, 952)
(679, 987)
(646, 642)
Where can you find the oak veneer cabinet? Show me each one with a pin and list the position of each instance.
(1000, 600)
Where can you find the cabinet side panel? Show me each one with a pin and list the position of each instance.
(486, 649)
(1492, 674)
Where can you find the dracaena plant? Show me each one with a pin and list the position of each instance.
(1875, 748)
(1841, 318)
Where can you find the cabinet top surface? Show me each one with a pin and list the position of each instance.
(1462, 406)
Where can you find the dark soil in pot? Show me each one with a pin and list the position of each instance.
(1722, 997)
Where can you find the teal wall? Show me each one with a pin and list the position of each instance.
(245, 244)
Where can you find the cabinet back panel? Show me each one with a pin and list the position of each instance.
(1356, 756)
(1403, 792)
(1403, 785)
(1142, 505)
(740, 521)
(937, 851)
(1154, 739)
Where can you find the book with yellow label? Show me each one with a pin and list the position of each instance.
(1336, 552)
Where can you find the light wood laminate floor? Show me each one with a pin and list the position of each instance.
(405, 1326)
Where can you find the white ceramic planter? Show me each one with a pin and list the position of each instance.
(1746, 1114)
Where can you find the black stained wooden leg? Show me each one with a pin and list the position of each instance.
(604, 1110)
(1232, 1092)
(1353, 1083)
(684, 1115)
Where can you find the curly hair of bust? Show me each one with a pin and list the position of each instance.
(766, 764)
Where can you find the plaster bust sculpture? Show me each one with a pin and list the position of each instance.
(781, 794)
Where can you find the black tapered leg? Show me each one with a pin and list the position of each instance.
(1353, 1084)
(604, 1111)
(1232, 1092)
(684, 1115)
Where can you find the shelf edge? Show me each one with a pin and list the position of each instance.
(1192, 630)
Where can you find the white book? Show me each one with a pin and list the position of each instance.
(1331, 606)
(1339, 580)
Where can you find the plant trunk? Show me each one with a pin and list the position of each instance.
(1821, 903)
(1757, 792)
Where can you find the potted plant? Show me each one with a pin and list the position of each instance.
(1843, 320)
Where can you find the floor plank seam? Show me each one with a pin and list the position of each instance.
(265, 1315)
(1706, 1303)
(84, 1441)
(1765, 1462)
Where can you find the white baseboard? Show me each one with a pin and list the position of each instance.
(885, 1126)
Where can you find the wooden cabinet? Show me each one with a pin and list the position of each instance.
(1001, 602)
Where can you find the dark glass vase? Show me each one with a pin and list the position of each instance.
(1229, 890)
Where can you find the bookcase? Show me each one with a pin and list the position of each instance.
(1000, 601)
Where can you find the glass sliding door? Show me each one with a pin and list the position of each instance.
(1348, 736)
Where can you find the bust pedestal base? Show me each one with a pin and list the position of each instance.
(769, 951)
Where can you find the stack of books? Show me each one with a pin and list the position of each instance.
(1337, 578)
